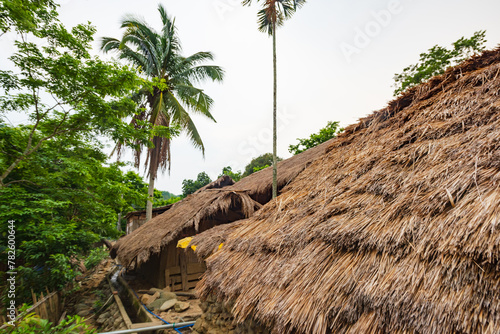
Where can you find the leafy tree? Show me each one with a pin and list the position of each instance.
(171, 95)
(273, 14)
(65, 92)
(236, 176)
(190, 186)
(261, 162)
(63, 199)
(167, 195)
(330, 131)
(25, 15)
(437, 60)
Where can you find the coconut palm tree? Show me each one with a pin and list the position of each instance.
(171, 95)
(273, 14)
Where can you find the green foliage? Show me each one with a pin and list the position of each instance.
(159, 199)
(236, 176)
(275, 12)
(65, 92)
(167, 195)
(262, 161)
(437, 60)
(32, 324)
(330, 131)
(256, 169)
(64, 198)
(95, 257)
(170, 95)
(25, 15)
(190, 186)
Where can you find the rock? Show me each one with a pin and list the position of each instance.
(168, 295)
(147, 299)
(83, 313)
(198, 325)
(80, 307)
(168, 304)
(117, 322)
(181, 306)
(156, 304)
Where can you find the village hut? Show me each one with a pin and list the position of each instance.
(136, 219)
(395, 229)
(151, 249)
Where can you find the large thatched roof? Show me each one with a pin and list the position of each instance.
(395, 229)
(195, 213)
(217, 201)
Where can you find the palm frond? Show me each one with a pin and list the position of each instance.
(196, 100)
(158, 55)
(201, 73)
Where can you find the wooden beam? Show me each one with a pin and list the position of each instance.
(184, 269)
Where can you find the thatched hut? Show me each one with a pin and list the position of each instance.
(151, 249)
(136, 219)
(395, 229)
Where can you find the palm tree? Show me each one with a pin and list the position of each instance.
(273, 14)
(171, 96)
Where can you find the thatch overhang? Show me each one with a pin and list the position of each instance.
(396, 229)
(215, 203)
(258, 185)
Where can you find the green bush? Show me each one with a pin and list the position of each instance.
(95, 257)
(32, 324)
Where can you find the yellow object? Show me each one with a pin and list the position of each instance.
(220, 246)
(184, 243)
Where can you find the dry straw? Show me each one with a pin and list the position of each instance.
(220, 202)
(396, 229)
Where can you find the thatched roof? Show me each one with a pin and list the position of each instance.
(221, 197)
(259, 184)
(159, 209)
(195, 213)
(396, 229)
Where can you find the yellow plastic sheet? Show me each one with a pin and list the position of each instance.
(184, 243)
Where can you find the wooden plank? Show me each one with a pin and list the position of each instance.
(184, 270)
(192, 268)
(194, 277)
(190, 285)
(167, 277)
(123, 312)
(178, 279)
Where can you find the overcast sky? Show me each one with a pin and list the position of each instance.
(336, 62)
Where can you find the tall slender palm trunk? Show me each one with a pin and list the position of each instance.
(275, 167)
(149, 204)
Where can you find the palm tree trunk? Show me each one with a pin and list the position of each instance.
(275, 167)
(149, 204)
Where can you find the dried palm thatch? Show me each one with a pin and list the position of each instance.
(213, 204)
(210, 241)
(259, 184)
(218, 202)
(396, 229)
